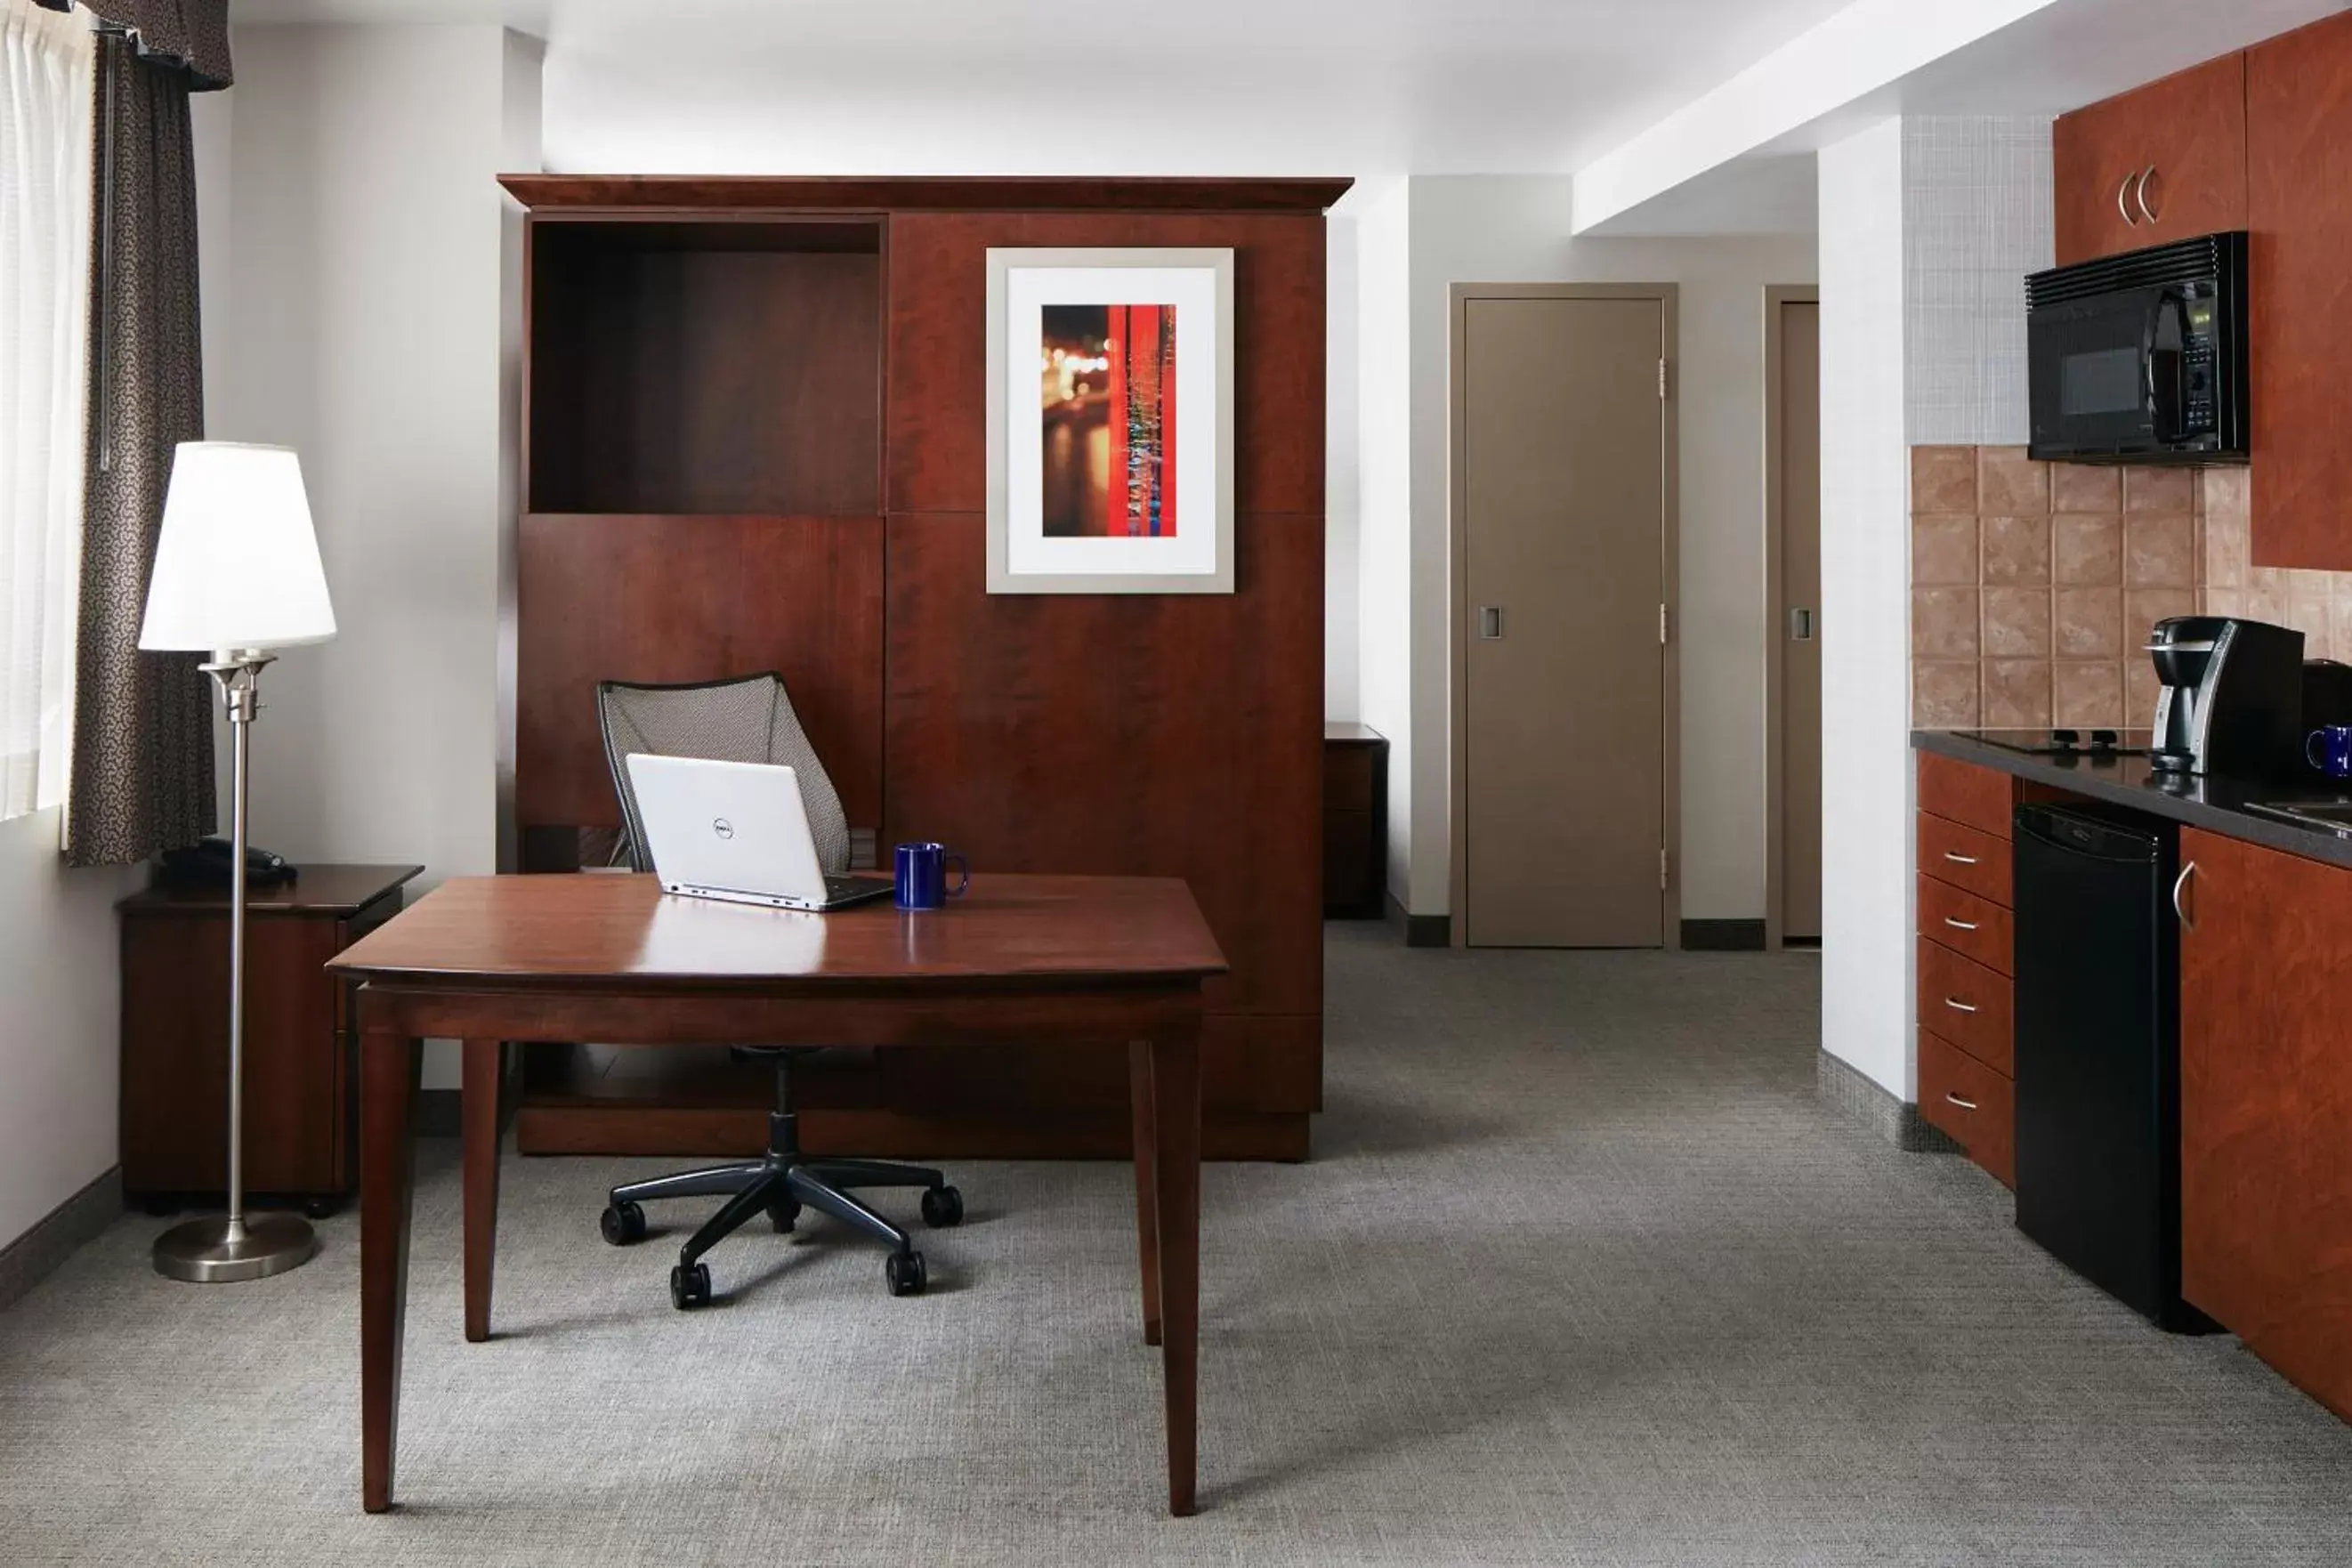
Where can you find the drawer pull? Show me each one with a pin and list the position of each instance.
(1959, 925)
(1956, 1006)
(1959, 859)
(1956, 1099)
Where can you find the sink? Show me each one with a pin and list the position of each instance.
(2334, 813)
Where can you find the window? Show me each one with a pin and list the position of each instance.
(47, 64)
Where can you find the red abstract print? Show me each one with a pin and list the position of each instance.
(1109, 396)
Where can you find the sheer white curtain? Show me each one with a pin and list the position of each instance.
(47, 66)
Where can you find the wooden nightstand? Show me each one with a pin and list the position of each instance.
(1355, 823)
(301, 1089)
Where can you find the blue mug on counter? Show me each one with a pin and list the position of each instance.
(2329, 749)
(923, 876)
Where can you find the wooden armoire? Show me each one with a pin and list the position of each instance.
(755, 439)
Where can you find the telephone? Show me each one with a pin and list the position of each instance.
(208, 863)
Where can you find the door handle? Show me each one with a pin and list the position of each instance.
(1801, 626)
(2180, 904)
(2121, 192)
(1956, 1099)
(2139, 193)
(1490, 623)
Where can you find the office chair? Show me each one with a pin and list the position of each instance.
(751, 719)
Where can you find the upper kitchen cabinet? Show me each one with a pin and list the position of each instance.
(2299, 210)
(2161, 163)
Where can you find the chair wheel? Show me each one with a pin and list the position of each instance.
(689, 1287)
(322, 1206)
(942, 1206)
(904, 1272)
(621, 1223)
(785, 1213)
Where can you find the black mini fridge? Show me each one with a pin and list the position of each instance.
(2098, 1050)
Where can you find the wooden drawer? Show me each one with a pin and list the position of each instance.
(1976, 928)
(1967, 1004)
(1976, 862)
(1980, 797)
(1348, 778)
(1974, 1104)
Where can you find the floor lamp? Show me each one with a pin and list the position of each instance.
(237, 573)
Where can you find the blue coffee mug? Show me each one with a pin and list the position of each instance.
(923, 876)
(2329, 749)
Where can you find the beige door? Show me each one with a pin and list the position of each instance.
(1799, 472)
(1563, 438)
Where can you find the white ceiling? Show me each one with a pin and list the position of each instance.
(1353, 86)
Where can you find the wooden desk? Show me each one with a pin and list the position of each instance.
(1110, 961)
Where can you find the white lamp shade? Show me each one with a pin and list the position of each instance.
(237, 564)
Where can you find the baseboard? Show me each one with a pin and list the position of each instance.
(34, 1256)
(1723, 936)
(1859, 1098)
(1420, 931)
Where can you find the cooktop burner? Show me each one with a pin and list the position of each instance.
(2068, 743)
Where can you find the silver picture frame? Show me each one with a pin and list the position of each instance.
(1002, 577)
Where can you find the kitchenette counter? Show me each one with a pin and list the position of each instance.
(2213, 801)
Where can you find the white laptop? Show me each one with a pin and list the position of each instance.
(736, 831)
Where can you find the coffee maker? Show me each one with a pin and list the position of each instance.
(2231, 697)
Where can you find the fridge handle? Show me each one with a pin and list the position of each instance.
(2179, 886)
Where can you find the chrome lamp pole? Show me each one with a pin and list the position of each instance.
(237, 573)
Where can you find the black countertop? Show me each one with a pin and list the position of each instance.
(2215, 803)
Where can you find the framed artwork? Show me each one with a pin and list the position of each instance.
(1111, 421)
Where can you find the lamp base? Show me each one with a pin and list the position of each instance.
(201, 1252)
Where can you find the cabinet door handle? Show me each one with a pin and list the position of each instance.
(1956, 1006)
(2139, 192)
(1490, 623)
(2122, 207)
(1956, 1099)
(2179, 904)
(1959, 925)
(1959, 859)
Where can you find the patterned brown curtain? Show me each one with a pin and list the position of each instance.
(143, 758)
(189, 36)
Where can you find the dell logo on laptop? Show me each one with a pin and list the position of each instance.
(721, 827)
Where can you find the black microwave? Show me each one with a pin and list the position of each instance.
(2141, 357)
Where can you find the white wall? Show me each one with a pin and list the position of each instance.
(60, 1003)
(1928, 227)
(1383, 243)
(1977, 218)
(1342, 501)
(361, 323)
(1865, 613)
(1515, 229)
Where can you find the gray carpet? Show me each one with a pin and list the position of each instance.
(1581, 1275)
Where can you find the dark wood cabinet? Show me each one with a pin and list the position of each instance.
(2161, 163)
(1965, 959)
(2299, 212)
(300, 1090)
(2265, 1105)
(1355, 823)
(756, 418)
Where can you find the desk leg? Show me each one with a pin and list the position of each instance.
(1176, 1129)
(481, 1125)
(388, 1077)
(1147, 1195)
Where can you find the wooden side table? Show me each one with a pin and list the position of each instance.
(301, 1075)
(1355, 823)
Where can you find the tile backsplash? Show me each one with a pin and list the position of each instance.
(2033, 584)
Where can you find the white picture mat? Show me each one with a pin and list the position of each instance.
(1013, 404)
(1193, 290)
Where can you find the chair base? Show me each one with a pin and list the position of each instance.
(780, 1184)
